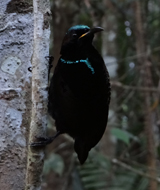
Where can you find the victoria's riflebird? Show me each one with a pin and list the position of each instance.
(79, 93)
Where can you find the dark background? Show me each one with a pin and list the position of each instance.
(127, 157)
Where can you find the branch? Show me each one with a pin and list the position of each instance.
(138, 55)
(126, 87)
(124, 165)
(67, 180)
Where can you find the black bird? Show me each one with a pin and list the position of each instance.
(79, 93)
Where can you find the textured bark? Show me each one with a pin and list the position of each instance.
(39, 92)
(16, 37)
(23, 95)
(141, 47)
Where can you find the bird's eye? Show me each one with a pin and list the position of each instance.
(74, 35)
(85, 30)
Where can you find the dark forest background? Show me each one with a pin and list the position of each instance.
(127, 157)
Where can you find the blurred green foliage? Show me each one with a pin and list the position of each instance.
(54, 163)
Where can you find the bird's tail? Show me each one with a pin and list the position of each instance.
(81, 149)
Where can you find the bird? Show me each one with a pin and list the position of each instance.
(79, 92)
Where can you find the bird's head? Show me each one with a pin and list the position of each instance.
(78, 36)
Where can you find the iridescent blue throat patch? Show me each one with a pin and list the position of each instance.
(86, 61)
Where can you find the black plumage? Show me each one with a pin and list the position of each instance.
(79, 92)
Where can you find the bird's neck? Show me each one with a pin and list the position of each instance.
(78, 61)
(75, 53)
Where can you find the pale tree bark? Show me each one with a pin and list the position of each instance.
(39, 92)
(18, 90)
(141, 47)
(16, 49)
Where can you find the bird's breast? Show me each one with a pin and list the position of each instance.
(79, 96)
(79, 75)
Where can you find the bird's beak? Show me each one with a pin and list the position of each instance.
(92, 31)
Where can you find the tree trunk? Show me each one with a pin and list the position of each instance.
(141, 47)
(39, 92)
(18, 89)
(16, 37)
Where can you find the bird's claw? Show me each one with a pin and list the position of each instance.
(42, 141)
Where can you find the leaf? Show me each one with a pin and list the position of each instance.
(121, 135)
(96, 185)
(54, 163)
(143, 184)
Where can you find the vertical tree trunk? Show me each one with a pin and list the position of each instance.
(23, 95)
(108, 52)
(39, 92)
(16, 49)
(141, 47)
